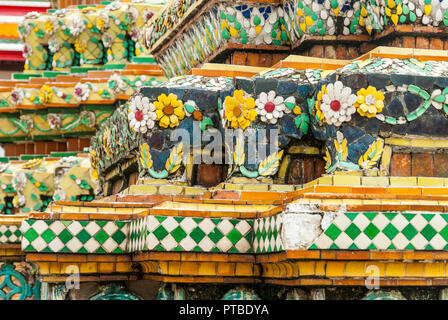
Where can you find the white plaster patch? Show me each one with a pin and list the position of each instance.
(300, 230)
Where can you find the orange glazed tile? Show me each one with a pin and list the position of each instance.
(384, 255)
(303, 254)
(41, 257)
(417, 255)
(315, 282)
(435, 270)
(404, 191)
(165, 256)
(212, 257)
(101, 258)
(207, 268)
(189, 268)
(306, 268)
(226, 269)
(71, 258)
(414, 269)
(349, 282)
(354, 255)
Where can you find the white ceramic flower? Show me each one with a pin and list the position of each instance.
(116, 83)
(17, 95)
(337, 103)
(147, 14)
(271, 107)
(82, 91)
(141, 114)
(132, 14)
(136, 34)
(27, 50)
(76, 25)
(32, 15)
(54, 45)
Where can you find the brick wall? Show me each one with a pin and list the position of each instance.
(45, 147)
(419, 164)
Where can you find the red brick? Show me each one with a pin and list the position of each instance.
(265, 60)
(317, 51)
(422, 43)
(308, 170)
(400, 165)
(73, 144)
(436, 44)
(422, 165)
(330, 52)
(10, 149)
(253, 59)
(239, 58)
(408, 42)
(441, 165)
(40, 147)
(209, 175)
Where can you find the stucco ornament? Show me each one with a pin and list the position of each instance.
(54, 120)
(141, 114)
(338, 103)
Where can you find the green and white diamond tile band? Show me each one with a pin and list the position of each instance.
(267, 234)
(10, 234)
(68, 236)
(191, 234)
(387, 230)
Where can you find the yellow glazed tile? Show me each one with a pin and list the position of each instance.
(403, 181)
(430, 182)
(346, 180)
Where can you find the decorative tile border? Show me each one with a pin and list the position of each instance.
(267, 234)
(10, 234)
(191, 234)
(68, 236)
(384, 231)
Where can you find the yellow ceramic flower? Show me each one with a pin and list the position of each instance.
(100, 23)
(370, 102)
(393, 10)
(45, 94)
(169, 110)
(48, 26)
(320, 94)
(80, 45)
(239, 111)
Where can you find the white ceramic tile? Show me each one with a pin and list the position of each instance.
(188, 225)
(399, 222)
(438, 223)
(75, 227)
(243, 227)
(362, 241)
(400, 241)
(168, 243)
(110, 228)
(361, 221)
(380, 221)
(187, 243)
(56, 245)
(242, 245)
(381, 241)
(39, 244)
(92, 245)
(206, 244)
(343, 241)
(419, 222)
(419, 242)
(57, 227)
(206, 225)
(225, 226)
(224, 244)
(437, 242)
(74, 244)
(92, 228)
(40, 226)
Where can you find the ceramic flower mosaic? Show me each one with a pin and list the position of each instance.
(270, 107)
(239, 110)
(337, 103)
(141, 114)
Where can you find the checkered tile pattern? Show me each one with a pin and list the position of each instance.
(191, 234)
(373, 230)
(10, 234)
(267, 234)
(67, 236)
